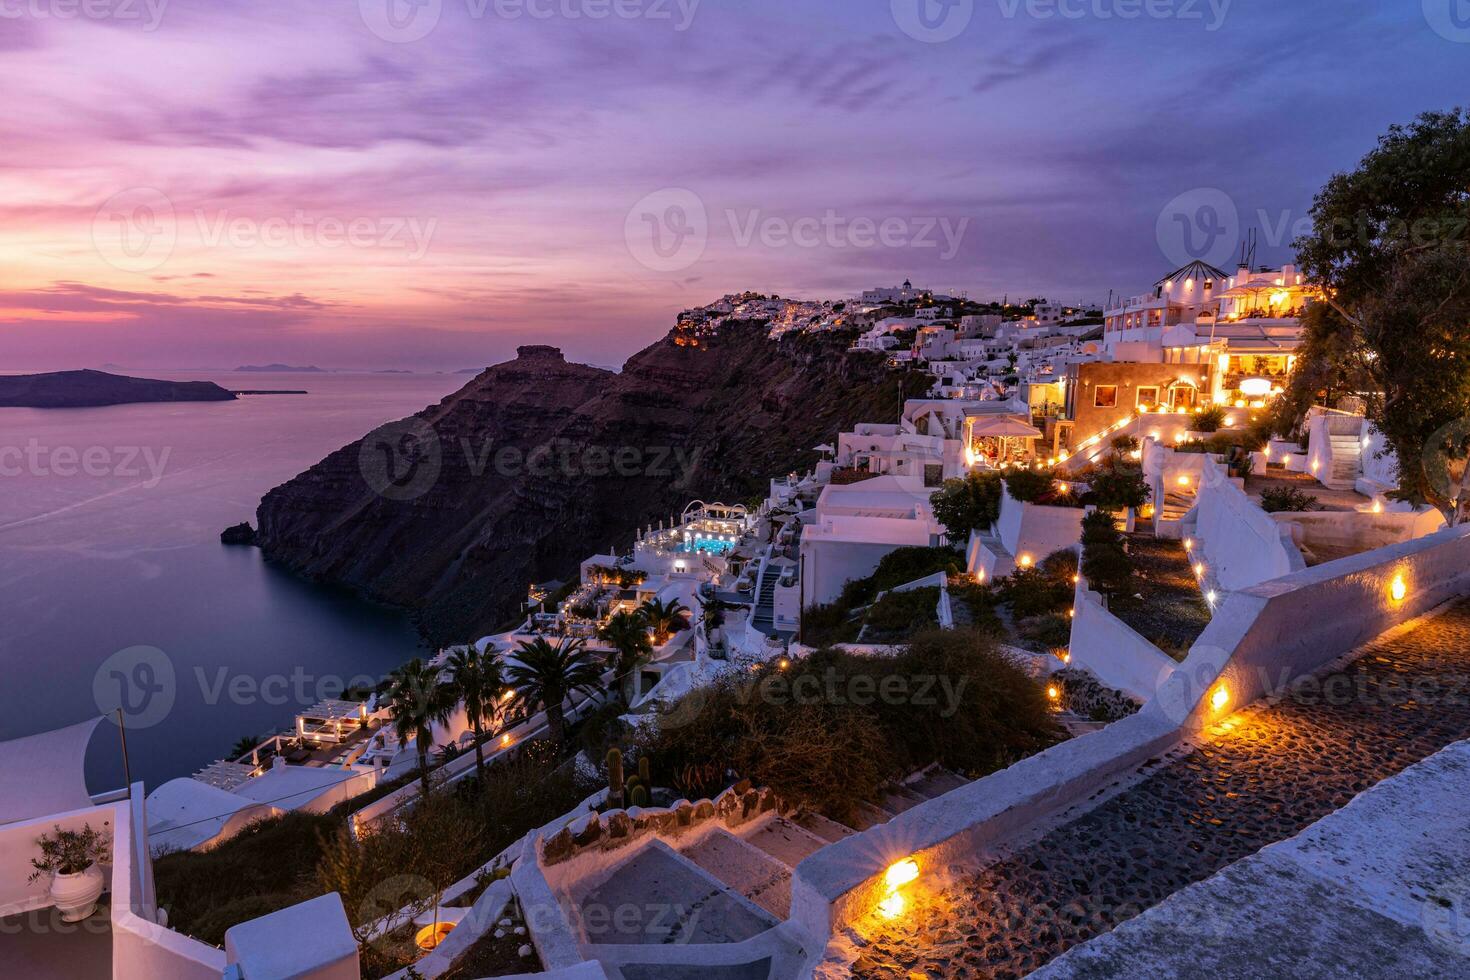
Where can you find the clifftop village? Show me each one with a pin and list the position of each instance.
(1008, 683)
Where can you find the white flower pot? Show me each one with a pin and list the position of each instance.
(75, 896)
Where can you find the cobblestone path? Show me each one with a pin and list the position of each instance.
(1259, 777)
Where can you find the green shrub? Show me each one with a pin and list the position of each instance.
(1118, 487)
(1280, 499)
(899, 567)
(1099, 526)
(1049, 631)
(1124, 444)
(1210, 420)
(904, 612)
(1029, 486)
(969, 503)
(810, 733)
(1108, 568)
(1032, 592)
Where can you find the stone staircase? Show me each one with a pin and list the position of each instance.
(1177, 503)
(1347, 455)
(730, 888)
(763, 616)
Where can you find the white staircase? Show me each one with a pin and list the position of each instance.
(1347, 455)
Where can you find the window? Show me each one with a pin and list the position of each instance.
(1105, 396)
(1148, 396)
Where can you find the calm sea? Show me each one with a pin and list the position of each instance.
(109, 541)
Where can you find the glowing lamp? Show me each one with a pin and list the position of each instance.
(1025, 561)
(1136, 454)
(1210, 597)
(1220, 698)
(1199, 568)
(1184, 481)
(980, 575)
(1053, 692)
(1230, 420)
(1224, 362)
(1377, 506)
(783, 663)
(1178, 437)
(505, 739)
(1398, 589)
(1063, 487)
(431, 936)
(891, 907)
(1255, 387)
(900, 873)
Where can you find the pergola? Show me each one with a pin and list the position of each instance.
(999, 434)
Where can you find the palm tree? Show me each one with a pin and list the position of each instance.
(477, 679)
(547, 675)
(418, 700)
(628, 635)
(244, 745)
(664, 617)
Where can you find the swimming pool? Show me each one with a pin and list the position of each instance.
(706, 544)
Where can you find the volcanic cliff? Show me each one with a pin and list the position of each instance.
(537, 463)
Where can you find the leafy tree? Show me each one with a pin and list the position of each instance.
(1119, 488)
(417, 701)
(478, 680)
(1106, 565)
(545, 676)
(627, 634)
(665, 618)
(1030, 485)
(1099, 526)
(1390, 253)
(967, 503)
(243, 745)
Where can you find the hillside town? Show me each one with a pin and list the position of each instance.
(1027, 679)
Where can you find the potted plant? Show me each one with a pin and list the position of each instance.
(72, 858)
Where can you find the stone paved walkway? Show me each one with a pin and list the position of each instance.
(1259, 777)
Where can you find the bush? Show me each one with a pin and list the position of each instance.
(1032, 592)
(1118, 487)
(1210, 420)
(899, 567)
(1099, 526)
(969, 503)
(1108, 568)
(1029, 486)
(1124, 444)
(1279, 499)
(810, 733)
(1049, 631)
(904, 612)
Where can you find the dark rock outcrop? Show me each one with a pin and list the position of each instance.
(241, 533)
(92, 389)
(538, 462)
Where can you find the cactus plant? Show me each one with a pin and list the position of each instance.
(614, 778)
(639, 796)
(644, 775)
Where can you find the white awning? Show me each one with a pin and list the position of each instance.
(46, 773)
(1011, 428)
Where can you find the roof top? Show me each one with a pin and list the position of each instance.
(1194, 270)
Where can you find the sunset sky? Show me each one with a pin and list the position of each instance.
(179, 180)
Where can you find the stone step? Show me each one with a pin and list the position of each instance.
(745, 868)
(898, 799)
(866, 815)
(935, 781)
(819, 826)
(783, 840)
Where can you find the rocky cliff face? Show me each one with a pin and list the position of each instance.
(537, 463)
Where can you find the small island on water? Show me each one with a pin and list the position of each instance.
(93, 389)
(279, 369)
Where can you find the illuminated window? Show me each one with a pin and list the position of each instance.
(1105, 396)
(1148, 396)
